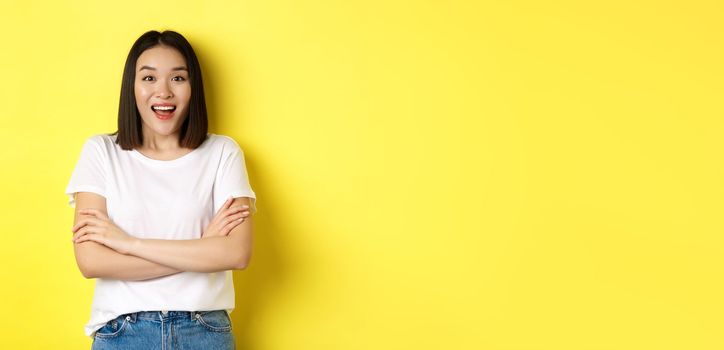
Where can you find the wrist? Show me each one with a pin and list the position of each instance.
(135, 246)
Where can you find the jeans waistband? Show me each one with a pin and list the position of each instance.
(162, 315)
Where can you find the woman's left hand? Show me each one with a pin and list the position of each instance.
(96, 226)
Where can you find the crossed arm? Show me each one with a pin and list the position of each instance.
(152, 258)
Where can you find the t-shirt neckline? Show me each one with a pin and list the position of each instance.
(175, 161)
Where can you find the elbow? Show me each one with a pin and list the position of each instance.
(86, 267)
(242, 262)
(84, 260)
(87, 272)
(241, 265)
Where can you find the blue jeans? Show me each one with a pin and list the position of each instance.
(167, 330)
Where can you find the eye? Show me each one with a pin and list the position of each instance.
(178, 76)
(148, 76)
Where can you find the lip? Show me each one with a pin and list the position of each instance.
(164, 117)
(161, 116)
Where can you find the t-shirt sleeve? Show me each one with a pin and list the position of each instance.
(232, 179)
(89, 174)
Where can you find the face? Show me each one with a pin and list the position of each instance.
(162, 82)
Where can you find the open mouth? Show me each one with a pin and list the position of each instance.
(163, 112)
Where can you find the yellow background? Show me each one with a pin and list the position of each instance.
(430, 174)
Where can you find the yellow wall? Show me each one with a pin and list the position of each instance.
(430, 174)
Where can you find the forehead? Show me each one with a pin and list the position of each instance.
(161, 58)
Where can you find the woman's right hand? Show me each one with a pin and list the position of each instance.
(226, 219)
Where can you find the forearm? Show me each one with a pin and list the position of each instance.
(99, 261)
(211, 254)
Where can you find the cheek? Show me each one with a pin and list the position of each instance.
(184, 93)
(141, 93)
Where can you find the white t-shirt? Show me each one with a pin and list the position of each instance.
(161, 199)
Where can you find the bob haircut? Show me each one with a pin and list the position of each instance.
(195, 127)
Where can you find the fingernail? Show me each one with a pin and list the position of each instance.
(244, 206)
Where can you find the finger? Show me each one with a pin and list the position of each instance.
(238, 208)
(78, 225)
(232, 218)
(230, 226)
(86, 221)
(222, 211)
(82, 232)
(220, 217)
(226, 205)
(88, 238)
(228, 202)
(243, 209)
(82, 239)
(232, 210)
(87, 230)
(94, 212)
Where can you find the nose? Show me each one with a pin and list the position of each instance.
(163, 91)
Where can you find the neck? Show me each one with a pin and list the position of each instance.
(160, 143)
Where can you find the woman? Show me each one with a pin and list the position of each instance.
(162, 210)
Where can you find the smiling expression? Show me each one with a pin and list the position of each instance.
(162, 89)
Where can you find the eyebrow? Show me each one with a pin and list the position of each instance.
(173, 69)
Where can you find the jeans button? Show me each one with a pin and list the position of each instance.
(164, 312)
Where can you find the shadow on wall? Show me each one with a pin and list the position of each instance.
(255, 286)
(259, 284)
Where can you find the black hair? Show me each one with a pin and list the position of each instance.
(195, 127)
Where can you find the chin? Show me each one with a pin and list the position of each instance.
(167, 132)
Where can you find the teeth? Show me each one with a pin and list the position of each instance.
(163, 108)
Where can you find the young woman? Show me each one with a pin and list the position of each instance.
(162, 210)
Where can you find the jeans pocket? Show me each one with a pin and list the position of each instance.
(112, 328)
(215, 321)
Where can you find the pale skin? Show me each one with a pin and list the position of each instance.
(103, 250)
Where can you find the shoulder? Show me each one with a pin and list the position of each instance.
(102, 141)
(224, 143)
(99, 147)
